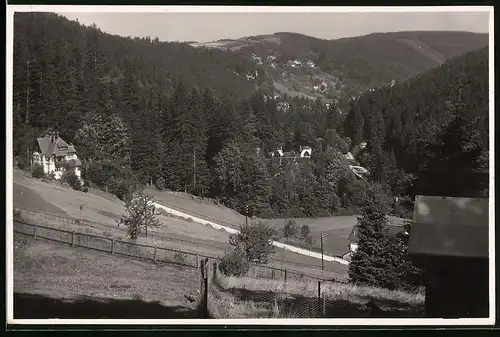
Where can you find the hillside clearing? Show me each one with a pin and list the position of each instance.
(335, 228)
(176, 233)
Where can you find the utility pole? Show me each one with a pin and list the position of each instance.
(27, 90)
(322, 265)
(194, 171)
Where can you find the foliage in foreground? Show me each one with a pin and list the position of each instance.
(234, 263)
(255, 241)
(37, 171)
(381, 260)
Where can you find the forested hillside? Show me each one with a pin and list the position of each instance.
(434, 128)
(139, 111)
(63, 68)
(350, 66)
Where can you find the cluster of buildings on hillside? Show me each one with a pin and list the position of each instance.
(306, 152)
(271, 61)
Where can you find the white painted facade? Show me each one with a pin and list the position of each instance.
(49, 164)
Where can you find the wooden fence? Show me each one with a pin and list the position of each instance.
(109, 245)
(256, 270)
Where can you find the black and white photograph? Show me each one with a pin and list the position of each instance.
(250, 165)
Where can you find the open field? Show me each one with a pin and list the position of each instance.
(26, 198)
(336, 229)
(247, 297)
(102, 285)
(176, 233)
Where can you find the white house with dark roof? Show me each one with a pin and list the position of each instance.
(52, 153)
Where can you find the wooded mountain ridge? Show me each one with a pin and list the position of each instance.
(348, 66)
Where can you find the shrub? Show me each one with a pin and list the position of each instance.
(255, 241)
(71, 179)
(85, 189)
(160, 183)
(121, 189)
(304, 231)
(234, 263)
(18, 215)
(37, 171)
(290, 229)
(180, 257)
(21, 165)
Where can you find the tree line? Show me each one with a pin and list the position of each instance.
(139, 113)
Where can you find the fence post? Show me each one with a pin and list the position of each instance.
(319, 296)
(214, 271)
(285, 275)
(202, 275)
(112, 246)
(34, 232)
(154, 255)
(272, 274)
(73, 238)
(324, 304)
(197, 261)
(205, 295)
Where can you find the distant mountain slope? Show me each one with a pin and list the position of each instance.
(67, 47)
(347, 67)
(436, 119)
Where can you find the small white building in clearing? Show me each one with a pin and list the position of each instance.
(52, 153)
(305, 151)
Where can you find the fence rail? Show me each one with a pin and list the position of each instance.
(108, 245)
(153, 234)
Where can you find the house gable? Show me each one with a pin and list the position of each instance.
(54, 145)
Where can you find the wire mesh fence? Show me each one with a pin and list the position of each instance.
(247, 297)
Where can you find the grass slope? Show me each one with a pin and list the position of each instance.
(24, 197)
(336, 229)
(53, 271)
(269, 298)
(175, 233)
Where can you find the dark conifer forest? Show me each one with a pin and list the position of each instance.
(141, 111)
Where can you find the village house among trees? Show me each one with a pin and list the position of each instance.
(55, 156)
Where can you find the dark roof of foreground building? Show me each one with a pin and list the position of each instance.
(50, 145)
(447, 226)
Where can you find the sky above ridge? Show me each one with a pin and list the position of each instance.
(210, 26)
